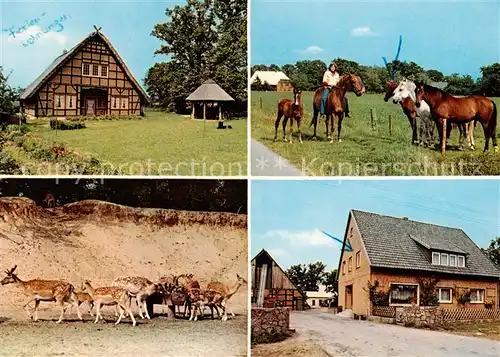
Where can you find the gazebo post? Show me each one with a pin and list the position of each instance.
(192, 109)
(220, 111)
(204, 110)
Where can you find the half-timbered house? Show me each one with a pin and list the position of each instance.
(91, 79)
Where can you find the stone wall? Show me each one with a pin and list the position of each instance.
(420, 316)
(270, 325)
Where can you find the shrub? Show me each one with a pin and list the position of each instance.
(56, 124)
(377, 298)
(8, 165)
(104, 117)
(428, 291)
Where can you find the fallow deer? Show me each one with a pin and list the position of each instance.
(140, 288)
(110, 296)
(44, 290)
(227, 292)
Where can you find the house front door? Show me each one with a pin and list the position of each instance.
(348, 297)
(90, 106)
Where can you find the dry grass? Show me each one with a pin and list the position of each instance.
(489, 330)
(291, 347)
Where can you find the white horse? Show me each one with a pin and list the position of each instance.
(406, 88)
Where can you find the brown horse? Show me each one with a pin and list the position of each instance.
(408, 108)
(459, 110)
(335, 102)
(291, 109)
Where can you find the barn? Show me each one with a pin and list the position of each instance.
(91, 79)
(271, 287)
(276, 80)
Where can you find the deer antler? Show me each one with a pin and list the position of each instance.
(12, 270)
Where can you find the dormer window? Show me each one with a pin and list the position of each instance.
(448, 260)
(444, 259)
(436, 258)
(461, 261)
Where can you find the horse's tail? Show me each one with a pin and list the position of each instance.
(494, 121)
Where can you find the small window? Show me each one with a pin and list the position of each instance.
(86, 69)
(114, 102)
(343, 267)
(95, 70)
(477, 296)
(104, 71)
(444, 259)
(358, 259)
(436, 258)
(124, 103)
(453, 260)
(461, 261)
(444, 295)
(350, 232)
(70, 102)
(59, 101)
(349, 265)
(314, 303)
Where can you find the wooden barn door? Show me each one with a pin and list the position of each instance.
(348, 297)
(90, 106)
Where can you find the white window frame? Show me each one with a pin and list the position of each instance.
(449, 261)
(482, 296)
(70, 97)
(443, 255)
(413, 284)
(358, 259)
(438, 255)
(441, 301)
(458, 261)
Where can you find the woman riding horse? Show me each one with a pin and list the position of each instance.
(330, 79)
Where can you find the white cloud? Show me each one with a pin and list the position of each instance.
(278, 252)
(301, 238)
(312, 50)
(364, 31)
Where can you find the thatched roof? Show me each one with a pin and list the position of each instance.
(67, 55)
(210, 91)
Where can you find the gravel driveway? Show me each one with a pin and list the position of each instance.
(345, 337)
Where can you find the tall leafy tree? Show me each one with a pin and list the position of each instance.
(8, 95)
(329, 281)
(490, 81)
(203, 39)
(307, 277)
(493, 251)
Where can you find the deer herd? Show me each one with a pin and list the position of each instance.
(182, 290)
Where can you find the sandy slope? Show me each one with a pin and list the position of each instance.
(99, 241)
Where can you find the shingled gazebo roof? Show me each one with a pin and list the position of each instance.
(209, 91)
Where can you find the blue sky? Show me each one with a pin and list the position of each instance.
(127, 24)
(288, 216)
(449, 36)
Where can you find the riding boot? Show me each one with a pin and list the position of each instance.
(346, 107)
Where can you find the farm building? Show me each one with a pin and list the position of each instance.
(271, 287)
(207, 101)
(320, 298)
(276, 80)
(89, 79)
(400, 254)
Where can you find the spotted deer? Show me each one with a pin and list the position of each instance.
(226, 292)
(110, 296)
(140, 288)
(44, 290)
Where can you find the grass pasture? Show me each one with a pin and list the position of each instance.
(363, 150)
(159, 144)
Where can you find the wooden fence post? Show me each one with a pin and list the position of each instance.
(390, 125)
(374, 117)
(260, 100)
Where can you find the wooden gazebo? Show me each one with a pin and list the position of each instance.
(211, 95)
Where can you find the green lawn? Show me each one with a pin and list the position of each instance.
(367, 151)
(159, 144)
